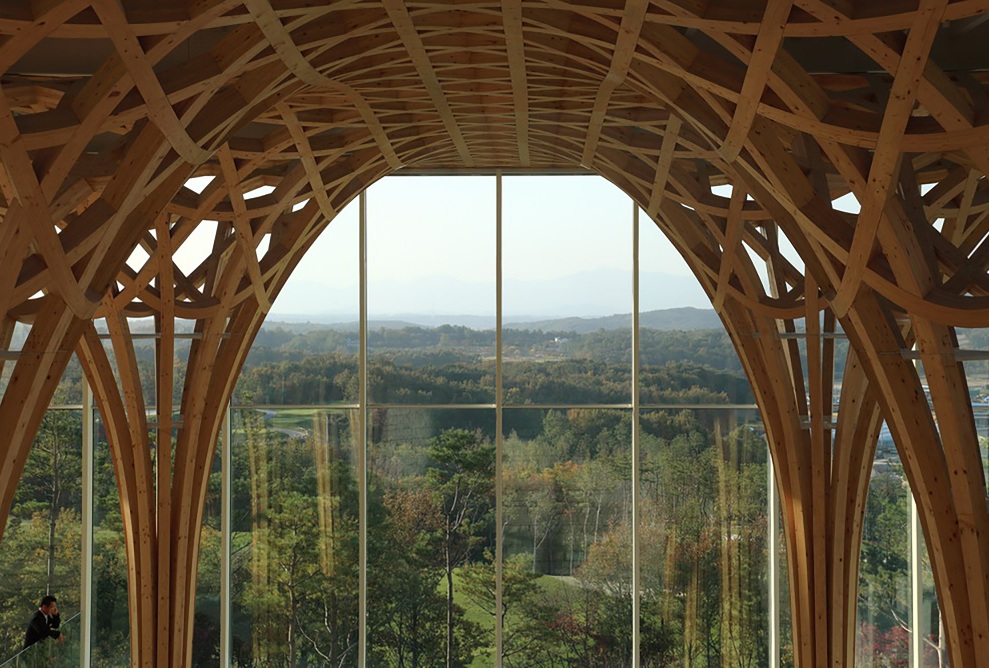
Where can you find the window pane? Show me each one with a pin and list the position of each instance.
(567, 526)
(41, 543)
(976, 371)
(431, 537)
(111, 630)
(934, 651)
(294, 538)
(206, 624)
(785, 609)
(884, 565)
(678, 328)
(431, 289)
(666, 282)
(567, 290)
(703, 537)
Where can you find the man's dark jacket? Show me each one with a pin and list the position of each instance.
(41, 627)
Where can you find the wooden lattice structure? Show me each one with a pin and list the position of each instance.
(108, 107)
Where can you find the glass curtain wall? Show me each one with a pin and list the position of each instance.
(509, 516)
(41, 551)
(507, 473)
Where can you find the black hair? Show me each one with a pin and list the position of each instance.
(47, 600)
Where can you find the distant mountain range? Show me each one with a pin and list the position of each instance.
(587, 294)
(686, 318)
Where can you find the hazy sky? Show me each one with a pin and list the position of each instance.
(453, 218)
(436, 237)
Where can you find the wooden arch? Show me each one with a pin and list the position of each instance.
(108, 107)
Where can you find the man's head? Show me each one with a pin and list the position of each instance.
(48, 605)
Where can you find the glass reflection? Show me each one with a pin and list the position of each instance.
(934, 650)
(294, 538)
(785, 611)
(703, 538)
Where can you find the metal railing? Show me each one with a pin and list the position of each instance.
(48, 653)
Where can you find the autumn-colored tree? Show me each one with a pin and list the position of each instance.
(409, 626)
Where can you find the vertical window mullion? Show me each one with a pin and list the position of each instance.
(916, 588)
(362, 431)
(773, 564)
(499, 486)
(86, 556)
(635, 436)
(225, 531)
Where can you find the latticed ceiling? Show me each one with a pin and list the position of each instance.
(663, 98)
(109, 107)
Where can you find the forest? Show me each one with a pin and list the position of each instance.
(552, 516)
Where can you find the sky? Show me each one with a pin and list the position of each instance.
(567, 250)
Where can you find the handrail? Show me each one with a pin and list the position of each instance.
(15, 656)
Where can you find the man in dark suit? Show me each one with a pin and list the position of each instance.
(44, 624)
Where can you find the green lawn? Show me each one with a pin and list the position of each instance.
(551, 584)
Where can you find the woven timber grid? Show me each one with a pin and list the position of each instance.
(107, 108)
